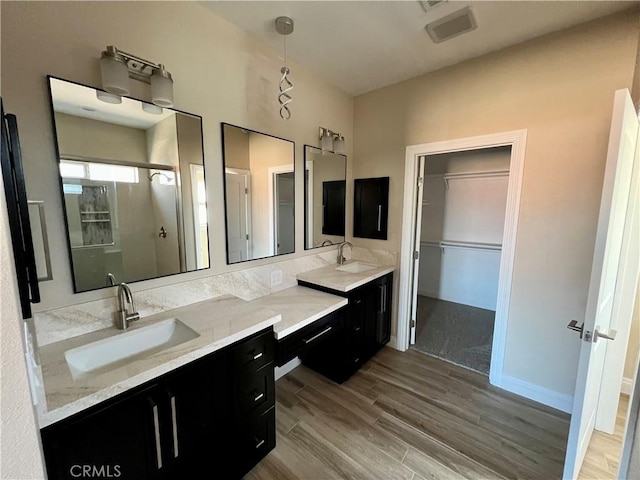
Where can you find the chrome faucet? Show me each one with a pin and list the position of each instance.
(341, 258)
(124, 316)
(326, 242)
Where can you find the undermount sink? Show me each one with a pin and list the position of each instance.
(123, 348)
(356, 267)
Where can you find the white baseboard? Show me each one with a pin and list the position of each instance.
(627, 385)
(393, 343)
(287, 367)
(559, 401)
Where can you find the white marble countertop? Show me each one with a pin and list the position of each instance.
(299, 306)
(331, 277)
(219, 323)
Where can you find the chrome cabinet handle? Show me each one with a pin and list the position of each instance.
(384, 297)
(257, 355)
(156, 431)
(258, 397)
(174, 425)
(379, 217)
(318, 335)
(259, 444)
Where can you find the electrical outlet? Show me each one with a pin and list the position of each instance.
(276, 277)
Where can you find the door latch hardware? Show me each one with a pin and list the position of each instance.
(573, 326)
(611, 336)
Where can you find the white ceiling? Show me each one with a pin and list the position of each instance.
(74, 99)
(364, 45)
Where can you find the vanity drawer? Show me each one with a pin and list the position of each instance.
(254, 353)
(254, 391)
(254, 440)
(318, 332)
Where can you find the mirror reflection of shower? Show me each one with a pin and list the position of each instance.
(134, 190)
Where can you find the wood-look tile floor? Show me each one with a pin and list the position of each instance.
(603, 455)
(410, 416)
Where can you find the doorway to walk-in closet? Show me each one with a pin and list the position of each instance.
(462, 222)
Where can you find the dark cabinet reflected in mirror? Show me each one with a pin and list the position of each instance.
(324, 196)
(133, 183)
(259, 194)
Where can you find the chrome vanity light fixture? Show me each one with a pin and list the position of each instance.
(330, 141)
(284, 26)
(117, 67)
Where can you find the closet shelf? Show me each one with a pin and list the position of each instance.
(464, 175)
(459, 244)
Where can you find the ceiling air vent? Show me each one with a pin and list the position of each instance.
(452, 25)
(429, 4)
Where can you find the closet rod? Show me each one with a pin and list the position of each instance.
(459, 244)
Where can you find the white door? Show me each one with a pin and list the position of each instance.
(237, 190)
(604, 272)
(416, 249)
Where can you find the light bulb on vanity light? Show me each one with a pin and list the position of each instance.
(326, 140)
(114, 72)
(107, 97)
(161, 87)
(338, 144)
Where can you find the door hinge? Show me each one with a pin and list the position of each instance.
(420, 181)
(246, 190)
(412, 323)
(416, 255)
(247, 237)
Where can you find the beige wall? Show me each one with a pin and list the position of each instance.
(560, 87)
(92, 138)
(236, 148)
(20, 455)
(219, 72)
(633, 347)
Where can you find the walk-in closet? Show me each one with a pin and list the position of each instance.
(463, 216)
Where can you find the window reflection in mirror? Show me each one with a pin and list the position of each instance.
(133, 186)
(324, 194)
(259, 194)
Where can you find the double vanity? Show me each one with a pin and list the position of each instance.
(192, 390)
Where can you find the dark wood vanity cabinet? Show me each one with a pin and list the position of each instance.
(212, 418)
(365, 329)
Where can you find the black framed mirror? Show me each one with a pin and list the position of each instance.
(259, 184)
(133, 184)
(325, 175)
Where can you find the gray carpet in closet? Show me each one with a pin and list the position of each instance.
(457, 333)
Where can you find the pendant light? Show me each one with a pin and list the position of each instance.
(284, 26)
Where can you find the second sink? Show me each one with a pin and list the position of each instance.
(356, 267)
(120, 349)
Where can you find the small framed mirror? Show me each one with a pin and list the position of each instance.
(259, 183)
(325, 175)
(133, 185)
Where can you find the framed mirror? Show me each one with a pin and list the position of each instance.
(133, 184)
(259, 183)
(325, 177)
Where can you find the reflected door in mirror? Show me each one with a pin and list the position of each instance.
(259, 194)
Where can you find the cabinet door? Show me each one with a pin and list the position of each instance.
(326, 350)
(371, 205)
(114, 441)
(196, 406)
